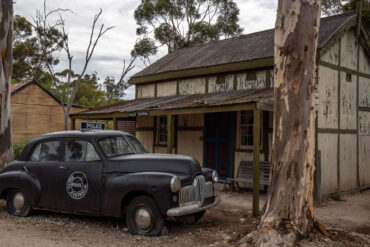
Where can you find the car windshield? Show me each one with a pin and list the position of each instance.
(135, 144)
(115, 146)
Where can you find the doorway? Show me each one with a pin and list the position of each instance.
(217, 133)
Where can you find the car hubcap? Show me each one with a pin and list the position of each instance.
(143, 218)
(18, 201)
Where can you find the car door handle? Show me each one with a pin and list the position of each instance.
(63, 167)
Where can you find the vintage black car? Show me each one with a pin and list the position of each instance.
(106, 173)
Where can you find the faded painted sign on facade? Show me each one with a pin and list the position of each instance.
(251, 80)
(221, 83)
(192, 86)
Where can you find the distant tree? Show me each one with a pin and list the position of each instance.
(115, 91)
(64, 83)
(179, 23)
(6, 36)
(89, 93)
(29, 55)
(352, 5)
(333, 7)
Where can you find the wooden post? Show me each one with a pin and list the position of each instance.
(115, 123)
(73, 123)
(256, 160)
(170, 133)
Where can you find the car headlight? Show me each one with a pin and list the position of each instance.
(214, 176)
(175, 184)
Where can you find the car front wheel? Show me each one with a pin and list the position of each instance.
(17, 205)
(143, 217)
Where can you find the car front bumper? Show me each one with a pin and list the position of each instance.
(192, 208)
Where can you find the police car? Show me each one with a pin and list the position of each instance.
(106, 173)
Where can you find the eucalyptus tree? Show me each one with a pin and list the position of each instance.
(182, 23)
(289, 209)
(6, 40)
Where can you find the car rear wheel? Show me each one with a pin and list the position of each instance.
(143, 217)
(17, 204)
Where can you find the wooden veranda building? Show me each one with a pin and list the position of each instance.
(214, 102)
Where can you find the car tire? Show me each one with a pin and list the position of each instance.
(143, 217)
(198, 216)
(17, 203)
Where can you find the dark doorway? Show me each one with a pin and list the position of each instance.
(217, 142)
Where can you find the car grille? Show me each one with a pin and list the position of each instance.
(196, 192)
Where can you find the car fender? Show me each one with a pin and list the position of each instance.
(154, 184)
(23, 181)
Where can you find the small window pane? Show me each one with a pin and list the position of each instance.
(91, 154)
(75, 150)
(47, 151)
(246, 128)
(36, 154)
(162, 129)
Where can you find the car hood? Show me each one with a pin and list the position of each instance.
(184, 167)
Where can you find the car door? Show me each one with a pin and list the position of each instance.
(80, 177)
(44, 163)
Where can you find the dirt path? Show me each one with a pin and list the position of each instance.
(221, 226)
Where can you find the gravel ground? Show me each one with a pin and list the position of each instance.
(221, 226)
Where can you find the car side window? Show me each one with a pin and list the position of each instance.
(47, 151)
(78, 150)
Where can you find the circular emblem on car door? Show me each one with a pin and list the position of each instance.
(77, 185)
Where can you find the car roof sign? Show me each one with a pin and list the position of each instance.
(85, 125)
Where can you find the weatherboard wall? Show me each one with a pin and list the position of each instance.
(35, 112)
(343, 116)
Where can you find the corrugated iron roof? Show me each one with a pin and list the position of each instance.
(187, 101)
(239, 49)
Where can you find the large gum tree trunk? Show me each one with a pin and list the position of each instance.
(289, 208)
(6, 41)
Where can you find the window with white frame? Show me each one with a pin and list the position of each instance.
(246, 128)
(162, 130)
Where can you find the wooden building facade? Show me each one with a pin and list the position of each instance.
(35, 111)
(214, 102)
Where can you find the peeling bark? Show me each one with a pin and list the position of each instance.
(289, 209)
(6, 41)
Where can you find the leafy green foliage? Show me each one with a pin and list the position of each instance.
(352, 5)
(333, 7)
(18, 148)
(114, 91)
(30, 61)
(183, 23)
(29, 58)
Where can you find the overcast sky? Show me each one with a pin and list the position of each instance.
(117, 43)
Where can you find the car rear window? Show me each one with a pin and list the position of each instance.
(47, 151)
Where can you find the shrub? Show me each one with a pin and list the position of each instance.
(17, 149)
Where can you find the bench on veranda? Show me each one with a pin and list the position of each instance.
(245, 175)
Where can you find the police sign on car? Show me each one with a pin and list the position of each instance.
(92, 125)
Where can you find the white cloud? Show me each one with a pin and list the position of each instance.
(116, 45)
